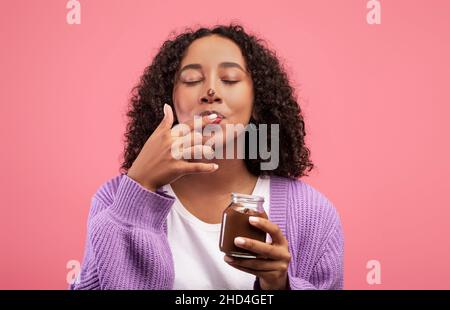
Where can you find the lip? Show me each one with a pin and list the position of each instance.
(217, 120)
(208, 112)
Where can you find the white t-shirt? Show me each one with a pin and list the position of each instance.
(194, 244)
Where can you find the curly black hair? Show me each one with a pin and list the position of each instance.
(274, 101)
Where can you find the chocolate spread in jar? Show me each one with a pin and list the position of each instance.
(235, 223)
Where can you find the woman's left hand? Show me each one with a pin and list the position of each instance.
(271, 264)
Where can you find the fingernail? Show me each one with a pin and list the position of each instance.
(253, 219)
(212, 116)
(215, 166)
(228, 259)
(239, 241)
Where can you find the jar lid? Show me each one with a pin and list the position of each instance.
(246, 198)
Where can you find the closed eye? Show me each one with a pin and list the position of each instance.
(229, 82)
(191, 82)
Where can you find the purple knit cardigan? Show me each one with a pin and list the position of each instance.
(127, 245)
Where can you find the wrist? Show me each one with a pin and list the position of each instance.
(146, 185)
(279, 285)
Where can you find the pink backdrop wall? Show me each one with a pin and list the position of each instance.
(376, 99)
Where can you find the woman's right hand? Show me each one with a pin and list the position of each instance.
(156, 166)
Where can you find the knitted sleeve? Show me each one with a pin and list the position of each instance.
(126, 247)
(327, 273)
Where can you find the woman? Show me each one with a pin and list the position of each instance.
(157, 224)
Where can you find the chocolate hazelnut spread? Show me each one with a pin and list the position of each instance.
(235, 223)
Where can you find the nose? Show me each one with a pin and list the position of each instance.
(210, 97)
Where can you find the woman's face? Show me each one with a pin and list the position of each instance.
(216, 63)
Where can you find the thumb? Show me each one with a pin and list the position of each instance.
(167, 121)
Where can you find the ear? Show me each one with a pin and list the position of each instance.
(254, 116)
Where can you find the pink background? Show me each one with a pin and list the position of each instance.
(376, 100)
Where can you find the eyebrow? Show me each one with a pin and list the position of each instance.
(221, 65)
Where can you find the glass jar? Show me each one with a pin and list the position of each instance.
(235, 224)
